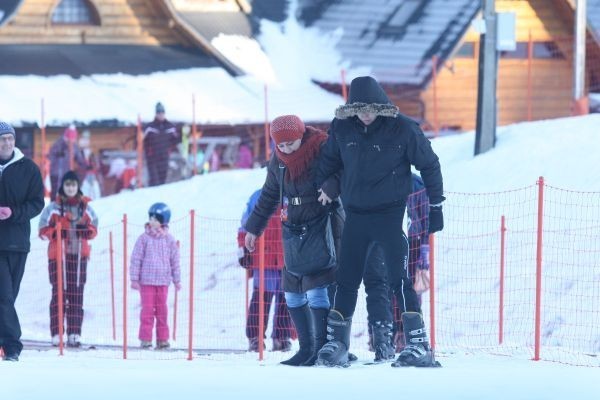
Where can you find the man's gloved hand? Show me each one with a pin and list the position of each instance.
(424, 258)
(436, 219)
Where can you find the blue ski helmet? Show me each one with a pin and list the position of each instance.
(161, 212)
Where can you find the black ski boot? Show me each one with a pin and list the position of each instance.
(335, 352)
(303, 323)
(382, 341)
(417, 352)
(319, 319)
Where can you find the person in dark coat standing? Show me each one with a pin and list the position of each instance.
(159, 136)
(374, 147)
(21, 199)
(64, 155)
(282, 324)
(291, 176)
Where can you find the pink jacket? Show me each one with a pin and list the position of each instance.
(155, 258)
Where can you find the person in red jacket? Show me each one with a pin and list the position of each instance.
(282, 323)
(78, 225)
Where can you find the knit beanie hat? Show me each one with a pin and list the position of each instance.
(7, 128)
(69, 176)
(287, 128)
(159, 108)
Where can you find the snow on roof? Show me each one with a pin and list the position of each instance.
(287, 57)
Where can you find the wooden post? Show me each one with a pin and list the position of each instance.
(140, 155)
(60, 285)
(432, 290)
(261, 296)
(436, 125)
(191, 305)
(530, 78)
(267, 133)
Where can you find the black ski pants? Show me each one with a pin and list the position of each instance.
(361, 231)
(12, 267)
(74, 278)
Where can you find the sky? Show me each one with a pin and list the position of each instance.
(473, 366)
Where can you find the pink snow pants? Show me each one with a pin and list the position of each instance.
(154, 305)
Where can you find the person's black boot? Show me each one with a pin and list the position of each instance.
(319, 319)
(302, 319)
(417, 352)
(335, 352)
(382, 340)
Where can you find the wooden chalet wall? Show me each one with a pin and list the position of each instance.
(551, 78)
(142, 22)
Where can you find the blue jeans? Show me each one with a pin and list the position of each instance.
(316, 298)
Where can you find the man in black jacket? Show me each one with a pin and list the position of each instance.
(21, 199)
(374, 146)
(159, 136)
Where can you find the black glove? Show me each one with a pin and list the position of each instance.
(63, 234)
(245, 258)
(82, 231)
(436, 219)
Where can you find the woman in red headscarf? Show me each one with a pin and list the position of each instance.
(307, 233)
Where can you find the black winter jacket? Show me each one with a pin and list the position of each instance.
(376, 159)
(159, 136)
(22, 190)
(269, 200)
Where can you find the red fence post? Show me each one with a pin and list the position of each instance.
(344, 87)
(538, 271)
(436, 125)
(111, 253)
(194, 139)
(432, 290)
(529, 78)
(44, 161)
(267, 134)
(59, 283)
(191, 306)
(124, 286)
(139, 153)
(501, 301)
(261, 296)
(175, 308)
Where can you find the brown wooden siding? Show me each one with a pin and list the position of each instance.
(550, 83)
(121, 22)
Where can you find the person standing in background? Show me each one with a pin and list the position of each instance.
(21, 199)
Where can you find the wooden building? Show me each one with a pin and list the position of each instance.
(402, 39)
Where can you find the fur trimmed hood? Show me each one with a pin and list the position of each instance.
(381, 110)
(366, 95)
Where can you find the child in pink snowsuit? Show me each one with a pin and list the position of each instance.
(154, 265)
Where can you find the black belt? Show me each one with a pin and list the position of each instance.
(296, 201)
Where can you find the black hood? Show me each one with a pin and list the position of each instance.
(365, 89)
(366, 95)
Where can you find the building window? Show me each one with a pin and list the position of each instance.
(519, 53)
(466, 50)
(541, 50)
(404, 13)
(547, 50)
(75, 12)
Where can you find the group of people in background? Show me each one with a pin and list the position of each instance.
(336, 200)
(365, 161)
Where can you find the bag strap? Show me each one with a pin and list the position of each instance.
(281, 175)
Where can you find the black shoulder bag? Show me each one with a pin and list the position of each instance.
(307, 248)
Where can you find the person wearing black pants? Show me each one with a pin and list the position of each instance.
(374, 147)
(21, 199)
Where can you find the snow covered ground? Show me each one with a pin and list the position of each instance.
(560, 150)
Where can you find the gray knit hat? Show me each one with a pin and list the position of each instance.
(7, 128)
